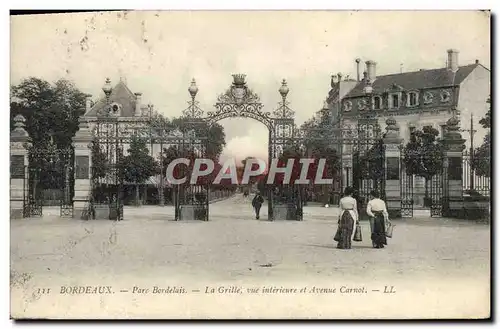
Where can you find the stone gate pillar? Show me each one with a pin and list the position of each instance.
(83, 164)
(452, 198)
(347, 165)
(392, 148)
(18, 168)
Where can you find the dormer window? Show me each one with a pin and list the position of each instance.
(394, 100)
(377, 102)
(445, 96)
(412, 99)
(115, 109)
(347, 106)
(363, 104)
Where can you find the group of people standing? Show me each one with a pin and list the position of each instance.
(349, 220)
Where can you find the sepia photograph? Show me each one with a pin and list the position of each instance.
(286, 164)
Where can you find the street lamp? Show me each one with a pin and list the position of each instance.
(107, 88)
(193, 89)
(471, 132)
(114, 199)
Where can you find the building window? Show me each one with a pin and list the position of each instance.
(412, 99)
(394, 101)
(428, 97)
(445, 96)
(377, 102)
(347, 106)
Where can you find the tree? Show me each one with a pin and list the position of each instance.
(51, 112)
(138, 165)
(371, 163)
(213, 134)
(253, 179)
(423, 155)
(319, 134)
(481, 162)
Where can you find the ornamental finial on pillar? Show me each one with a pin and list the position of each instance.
(392, 130)
(453, 129)
(239, 79)
(19, 130)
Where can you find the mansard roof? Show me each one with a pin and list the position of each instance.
(120, 94)
(422, 79)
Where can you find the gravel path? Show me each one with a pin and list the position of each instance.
(440, 268)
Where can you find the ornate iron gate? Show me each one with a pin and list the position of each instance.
(66, 172)
(436, 193)
(406, 185)
(240, 101)
(33, 193)
(368, 159)
(50, 170)
(193, 196)
(107, 182)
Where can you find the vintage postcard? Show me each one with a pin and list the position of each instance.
(250, 165)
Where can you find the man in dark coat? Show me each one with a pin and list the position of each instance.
(257, 202)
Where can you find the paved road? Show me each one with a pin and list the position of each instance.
(440, 268)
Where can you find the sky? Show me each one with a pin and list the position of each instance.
(159, 52)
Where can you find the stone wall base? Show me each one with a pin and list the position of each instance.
(194, 212)
(16, 213)
(284, 212)
(16, 209)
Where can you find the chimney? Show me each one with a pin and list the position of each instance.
(477, 61)
(138, 103)
(339, 77)
(88, 102)
(358, 60)
(371, 71)
(367, 89)
(452, 63)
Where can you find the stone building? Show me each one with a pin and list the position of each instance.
(426, 97)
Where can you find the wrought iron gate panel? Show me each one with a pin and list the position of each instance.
(436, 194)
(194, 145)
(368, 159)
(66, 172)
(284, 135)
(33, 193)
(107, 178)
(406, 185)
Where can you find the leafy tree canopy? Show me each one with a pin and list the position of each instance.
(423, 154)
(481, 162)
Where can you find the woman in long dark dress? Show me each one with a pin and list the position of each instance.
(379, 217)
(348, 219)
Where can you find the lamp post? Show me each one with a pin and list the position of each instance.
(161, 192)
(112, 151)
(471, 132)
(107, 88)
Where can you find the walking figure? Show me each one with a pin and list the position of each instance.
(257, 202)
(379, 218)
